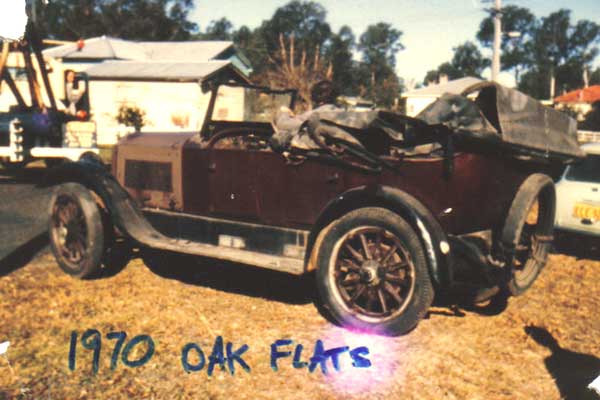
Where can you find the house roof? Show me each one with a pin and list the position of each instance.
(156, 70)
(185, 51)
(455, 86)
(586, 95)
(104, 47)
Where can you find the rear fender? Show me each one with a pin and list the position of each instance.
(431, 234)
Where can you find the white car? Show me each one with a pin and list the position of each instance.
(578, 195)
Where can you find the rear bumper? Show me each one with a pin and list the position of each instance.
(71, 153)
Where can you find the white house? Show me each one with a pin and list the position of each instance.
(418, 99)
(164, 79)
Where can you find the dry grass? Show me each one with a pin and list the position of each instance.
(471, 356)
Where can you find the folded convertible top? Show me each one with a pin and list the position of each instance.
(506, 115)
(486, 114)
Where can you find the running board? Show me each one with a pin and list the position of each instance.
(283, 264)
(129, 219)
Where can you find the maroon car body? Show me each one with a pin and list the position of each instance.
(226, 193)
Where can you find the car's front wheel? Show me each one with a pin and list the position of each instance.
(76, 230)
(372, 273)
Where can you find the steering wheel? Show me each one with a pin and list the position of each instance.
(252, 136)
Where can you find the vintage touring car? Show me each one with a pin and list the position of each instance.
(378, 205)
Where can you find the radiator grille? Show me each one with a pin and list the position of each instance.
(148, 175)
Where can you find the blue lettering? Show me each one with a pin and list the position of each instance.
(297, 355)
(318, 358)
(275, 353)
(358, 361)
(216, 357)
(334, 354)
(187, 367)
(236, 356)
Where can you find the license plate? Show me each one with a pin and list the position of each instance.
(586, 211)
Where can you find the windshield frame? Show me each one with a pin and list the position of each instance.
(209, 121)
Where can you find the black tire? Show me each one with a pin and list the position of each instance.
(76, 231)
(388, 293)
(527, 232)
(53, 162)
(13, 166)
(90, 156)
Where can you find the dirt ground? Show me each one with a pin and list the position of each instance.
(544, 345)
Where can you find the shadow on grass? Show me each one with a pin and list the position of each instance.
(23, 254)
(578, 246)
(571, 371)
(460, 299)
(231, 277)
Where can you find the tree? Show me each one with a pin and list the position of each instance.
(431, 77)
(515, 51)
(304, 20)
(467, 61)
(560, 51)
(243, 36)
(339, 54)
(126, 19)
(379, 45)
(595, 77)
(219, 30)
(288, 71)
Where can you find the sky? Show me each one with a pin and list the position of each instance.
(12, 20)
(431, 28)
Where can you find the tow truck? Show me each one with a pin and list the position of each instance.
(36, 130)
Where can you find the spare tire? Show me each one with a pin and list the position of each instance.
(526, 236)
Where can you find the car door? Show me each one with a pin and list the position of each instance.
(232, 180)
(293, 194)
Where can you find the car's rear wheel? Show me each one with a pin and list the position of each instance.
(527, 232)
(372, 273)
(76, 230)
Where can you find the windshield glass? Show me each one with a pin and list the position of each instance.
(586, 171)
(238, 104)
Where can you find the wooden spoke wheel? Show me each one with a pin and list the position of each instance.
(372, 273)
(76, 230)
(71, 230)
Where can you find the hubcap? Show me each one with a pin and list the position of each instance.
(69, 230)
(371, 272)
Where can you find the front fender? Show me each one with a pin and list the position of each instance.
(91, 173)
(431, 234)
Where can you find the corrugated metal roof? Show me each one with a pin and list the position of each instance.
(453, 87)
(196, 51)
(111, 48)
(99, 48)
(586, 95)
(154, 70)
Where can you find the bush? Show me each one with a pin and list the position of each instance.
(131, 116)
(592, 118)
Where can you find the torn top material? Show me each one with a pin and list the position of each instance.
(497, 116)
(506, 115)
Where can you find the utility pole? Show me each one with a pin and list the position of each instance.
(497, 11)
